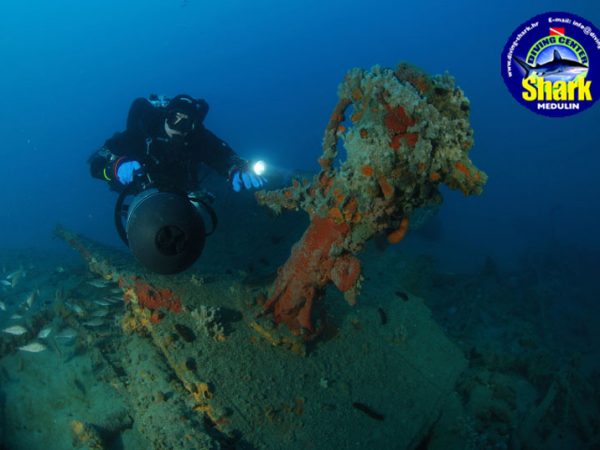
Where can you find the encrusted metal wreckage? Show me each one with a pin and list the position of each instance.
(404, 134)
(147, 305)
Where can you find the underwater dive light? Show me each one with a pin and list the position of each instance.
(259, 167)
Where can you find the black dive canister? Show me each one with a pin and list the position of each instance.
(164, 230)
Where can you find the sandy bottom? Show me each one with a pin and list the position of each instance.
(426, 359)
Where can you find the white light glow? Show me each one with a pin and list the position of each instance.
(259, 167)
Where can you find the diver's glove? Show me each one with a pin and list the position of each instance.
(242, 175)
(126, 170)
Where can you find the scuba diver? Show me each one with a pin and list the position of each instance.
(166, 140)
(157, 160)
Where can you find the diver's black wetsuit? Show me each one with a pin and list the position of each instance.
(176, 160)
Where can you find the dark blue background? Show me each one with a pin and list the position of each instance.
(270, 70)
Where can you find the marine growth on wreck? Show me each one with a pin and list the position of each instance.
(404, 134)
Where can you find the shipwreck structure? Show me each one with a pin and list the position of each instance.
(404, 134)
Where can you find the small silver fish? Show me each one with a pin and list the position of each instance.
(15, 277)
(16, 330)
(116, 291)
(76, 308)
(45, 332)
(94, 323)
(33, 347)
(16, 316)
(31, 297)
(102, 302)
(16, 273)
(67, 333)
(102, 312)
(98, 283)
(2, 306)
(5, 283)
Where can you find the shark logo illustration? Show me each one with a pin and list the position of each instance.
(559, 69)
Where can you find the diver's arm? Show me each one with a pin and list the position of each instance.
(125, 146)
(104, 164)
(117, 150)
(217, 154)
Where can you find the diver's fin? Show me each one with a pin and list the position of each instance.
(557, 56)
(524, 65)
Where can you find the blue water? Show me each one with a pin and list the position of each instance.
(269, 71)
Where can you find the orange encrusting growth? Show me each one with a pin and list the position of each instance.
(325, 163)
(386, 188)
(356, 94)
(308, 270)
(397, 122)
(462, 168)
(349, 209)
(465, 177)
(336, 215)
(398, 234)
(367, 171)
(154, 298)
(155, 317)
(339, 196)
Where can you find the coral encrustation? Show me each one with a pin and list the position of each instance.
(404, 134)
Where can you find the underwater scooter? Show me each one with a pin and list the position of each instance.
(162, 225)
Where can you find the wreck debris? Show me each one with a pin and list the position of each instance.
(147, 306)
(86, 436)
(404, 133)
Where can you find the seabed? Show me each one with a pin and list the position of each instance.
(387, 372)
(213, 374)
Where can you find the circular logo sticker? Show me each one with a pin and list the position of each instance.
(551, 64)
